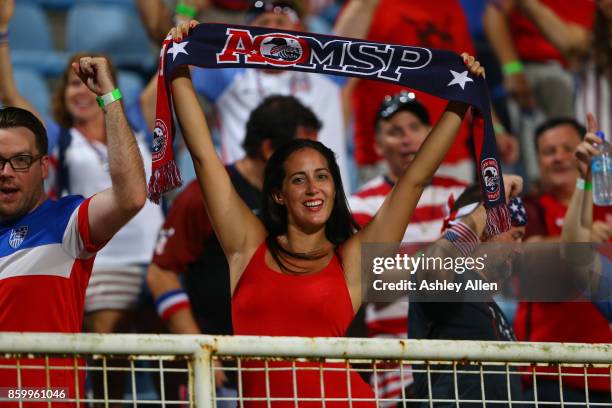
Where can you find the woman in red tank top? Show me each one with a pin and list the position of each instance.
(297, 271)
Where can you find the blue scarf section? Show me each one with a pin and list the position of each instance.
(437, 72)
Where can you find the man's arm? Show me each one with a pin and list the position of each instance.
(355, 19)
(181, 242)
(570, 39)
(578, 225)
(162, 281)
(181, 321)
(578, 222)
(156, 18)
(110, 209)
(495, 23)
(469, 234)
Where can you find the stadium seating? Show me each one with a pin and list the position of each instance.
(111, 29)
(51, 4)
(31, 41)
(34, 87)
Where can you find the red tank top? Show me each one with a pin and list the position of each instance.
(269, 303)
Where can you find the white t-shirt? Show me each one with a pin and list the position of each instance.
(236, 92)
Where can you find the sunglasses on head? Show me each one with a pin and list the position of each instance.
(391, 104)
(279, 7)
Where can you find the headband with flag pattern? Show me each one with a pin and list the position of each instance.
(437, 72)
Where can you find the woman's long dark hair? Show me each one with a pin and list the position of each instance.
(602, 46)
(339, 227)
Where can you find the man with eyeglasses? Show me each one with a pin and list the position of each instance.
(47, 247)
(402, 125)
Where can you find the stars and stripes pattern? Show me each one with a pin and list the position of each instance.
(518, 215)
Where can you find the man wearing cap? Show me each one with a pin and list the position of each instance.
(424, 23)
(402, 125)
(235, 92)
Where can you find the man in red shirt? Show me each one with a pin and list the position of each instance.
(578, 322)
(555, 143)
(435, 24)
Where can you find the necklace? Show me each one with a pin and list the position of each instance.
(301, 263)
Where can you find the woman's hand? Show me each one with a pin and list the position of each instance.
(181, 30)
(586, 150)
(473, 65)
(476, 70)
(177, 33)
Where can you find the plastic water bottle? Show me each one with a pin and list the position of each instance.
(601, 168)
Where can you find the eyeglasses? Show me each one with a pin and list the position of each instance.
(21, 162)
(391, 104)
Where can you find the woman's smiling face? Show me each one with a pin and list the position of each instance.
(80, 101)
(308, 190)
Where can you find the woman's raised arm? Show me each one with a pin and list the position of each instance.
(238, 229)
(392, 218)
(390, 222)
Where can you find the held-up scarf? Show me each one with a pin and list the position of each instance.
(440, 73)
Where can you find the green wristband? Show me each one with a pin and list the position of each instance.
(498, 128)
(185, 10)
(513, 67)
(588, 186)
(109, 98)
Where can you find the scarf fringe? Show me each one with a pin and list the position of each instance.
(498, 220)
(164, 179)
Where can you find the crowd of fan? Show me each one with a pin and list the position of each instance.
(549, 63)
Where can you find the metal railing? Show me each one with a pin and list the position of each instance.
(197, 358)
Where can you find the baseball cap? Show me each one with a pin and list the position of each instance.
(403, 101)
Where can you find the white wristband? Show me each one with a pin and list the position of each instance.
(580, 183)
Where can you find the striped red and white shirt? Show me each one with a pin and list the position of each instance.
(391, 320)
(594, 95)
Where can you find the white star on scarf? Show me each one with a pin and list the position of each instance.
(460, 79)
(178, 48)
